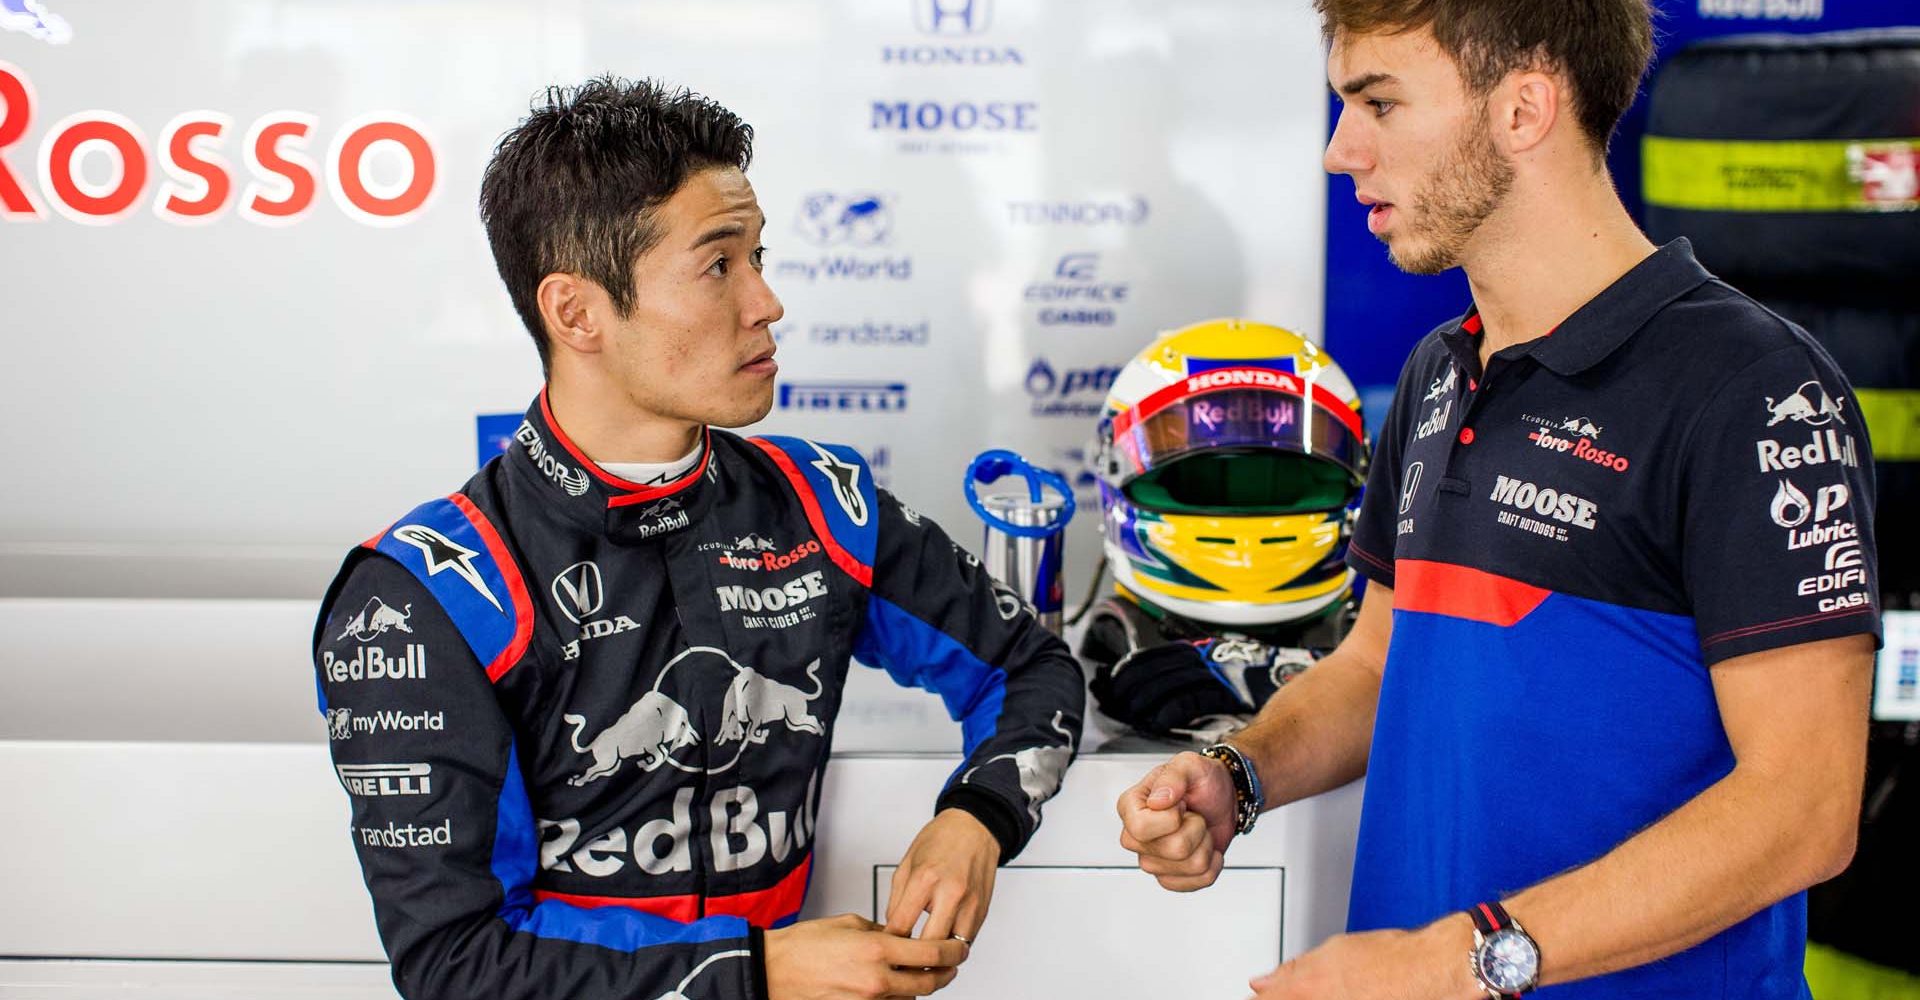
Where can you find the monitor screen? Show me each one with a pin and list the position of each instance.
(1896, 683)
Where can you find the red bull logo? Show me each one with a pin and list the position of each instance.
(97, 167)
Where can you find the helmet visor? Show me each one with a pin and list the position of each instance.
(1241, 450)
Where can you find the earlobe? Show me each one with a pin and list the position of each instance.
(563, 302)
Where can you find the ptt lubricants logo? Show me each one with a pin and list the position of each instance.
(97, 167)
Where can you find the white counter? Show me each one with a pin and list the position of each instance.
(178, 831)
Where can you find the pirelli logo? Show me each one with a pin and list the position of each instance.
(381, 780)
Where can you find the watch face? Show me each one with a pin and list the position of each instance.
(1509, 961)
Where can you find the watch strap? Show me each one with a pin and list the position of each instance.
(1489, 917)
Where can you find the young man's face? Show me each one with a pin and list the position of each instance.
(1417, 145)
(698, 345)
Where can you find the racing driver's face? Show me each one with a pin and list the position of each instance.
(698, 344)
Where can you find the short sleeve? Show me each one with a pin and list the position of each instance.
(1776, 501)
(1370, 552)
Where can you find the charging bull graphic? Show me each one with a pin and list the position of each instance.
(657, 726)
(375, 619)
(1809, 404)
(651, 731)
(1040, 768)
(755, 701)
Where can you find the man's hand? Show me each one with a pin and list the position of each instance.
(1178, 819)
(947, 873)
(852, 958)
(1427, 964)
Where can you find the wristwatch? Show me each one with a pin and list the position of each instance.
(1248, 799)
(1506, 959)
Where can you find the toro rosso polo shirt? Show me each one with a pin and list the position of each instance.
(1574, 537)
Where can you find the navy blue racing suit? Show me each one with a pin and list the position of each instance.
(583, 722)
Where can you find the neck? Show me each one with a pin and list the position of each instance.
(1553, 245)
(608, 425)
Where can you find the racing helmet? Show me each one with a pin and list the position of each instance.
(1229, 457)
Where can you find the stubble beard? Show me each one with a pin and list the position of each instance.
(1466, 186)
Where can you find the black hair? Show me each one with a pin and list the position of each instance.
(572, 187)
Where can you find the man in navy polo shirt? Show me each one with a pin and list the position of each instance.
(1609, 681)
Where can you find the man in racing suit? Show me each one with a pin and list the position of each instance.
(583, 720)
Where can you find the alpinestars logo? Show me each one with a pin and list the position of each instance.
(375, 619)
(846, 484)
(443, 553)
(573, 480)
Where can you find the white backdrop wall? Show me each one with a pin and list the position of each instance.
(219, 409)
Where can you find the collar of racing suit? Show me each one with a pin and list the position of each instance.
(598, 500)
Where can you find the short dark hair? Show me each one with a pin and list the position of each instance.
(572, 188)
(1602, 47)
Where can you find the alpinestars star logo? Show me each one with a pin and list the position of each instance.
(846, 484)
(443, 553)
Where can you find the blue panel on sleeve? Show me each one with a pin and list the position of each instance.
(916, 654)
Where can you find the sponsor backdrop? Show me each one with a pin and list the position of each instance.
(252, 316)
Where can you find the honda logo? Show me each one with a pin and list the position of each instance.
(1411, 486)
(579, 592)
(952, 17)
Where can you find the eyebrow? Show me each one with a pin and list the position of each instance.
(718, 233)
(724, 232)
(1360, 83)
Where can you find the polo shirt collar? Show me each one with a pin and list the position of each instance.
(1599, 327)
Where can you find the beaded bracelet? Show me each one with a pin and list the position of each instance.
(1247, 797)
